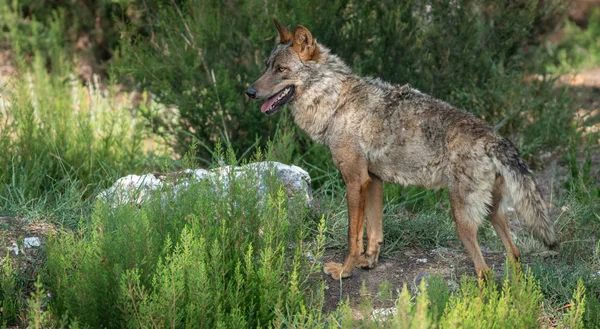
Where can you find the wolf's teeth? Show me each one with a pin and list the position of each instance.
(282, 95)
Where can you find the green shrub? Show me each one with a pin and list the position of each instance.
(60, 141)
(36, 316)
(200, 259)
(85, 29)
(10, 293)
(578, 48)
(516, 304)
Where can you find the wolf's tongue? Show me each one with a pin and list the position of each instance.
(265, 107)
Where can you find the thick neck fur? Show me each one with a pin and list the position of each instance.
(323, 82)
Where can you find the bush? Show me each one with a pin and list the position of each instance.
(578, 48)
(10, 293)
(60, 142)
(59, 139)
(85, 28)
(516, 304)
(198, 260)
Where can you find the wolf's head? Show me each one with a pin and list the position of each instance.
(286, 69)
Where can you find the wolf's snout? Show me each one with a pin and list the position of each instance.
(251, 92)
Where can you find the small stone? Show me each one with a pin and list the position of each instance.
(31, 242)
(545, 254)
(14, 248)
(384, 314)
(310, 256)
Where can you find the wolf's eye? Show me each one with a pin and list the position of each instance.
(281, 69)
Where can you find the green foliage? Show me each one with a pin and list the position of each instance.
(577, 307)
(517, 303)
(200, 259)
(10, 293)
(29, 37)
(439, 295)
(60, 141)
(413, 315)
(49, 27)
(578, 48)
(37, 317)
(558, 282)
(578, 265)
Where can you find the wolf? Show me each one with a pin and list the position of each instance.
(379, 132)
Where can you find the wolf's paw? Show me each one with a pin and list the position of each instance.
(486, 274)
(365, 262)
(336, 270)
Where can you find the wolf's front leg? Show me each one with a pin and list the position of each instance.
(356, 177)
(373, 218)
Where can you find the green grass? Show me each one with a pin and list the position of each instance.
(10, 293)
(578, 48)
(61, 142)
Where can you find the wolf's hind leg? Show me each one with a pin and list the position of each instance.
(466, 226)
(373, 218)
(499, 220)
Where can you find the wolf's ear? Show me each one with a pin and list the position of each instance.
(304, 44)
(285, 35)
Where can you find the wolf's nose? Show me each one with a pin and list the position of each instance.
(251, 92)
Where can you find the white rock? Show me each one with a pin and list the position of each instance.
(136, 190)
(384, 314)
(14, 248)
(199, 174)
(131, 189)
(31, 242)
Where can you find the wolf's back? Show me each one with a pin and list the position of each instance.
(521, 187)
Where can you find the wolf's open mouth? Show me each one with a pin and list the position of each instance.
(276, 102)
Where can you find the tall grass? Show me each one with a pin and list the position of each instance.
(198, 259)
(60, 139)
(10, 293)
(59, 142)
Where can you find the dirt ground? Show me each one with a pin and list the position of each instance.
(408, 266)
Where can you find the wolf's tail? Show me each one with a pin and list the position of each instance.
(527, 198)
